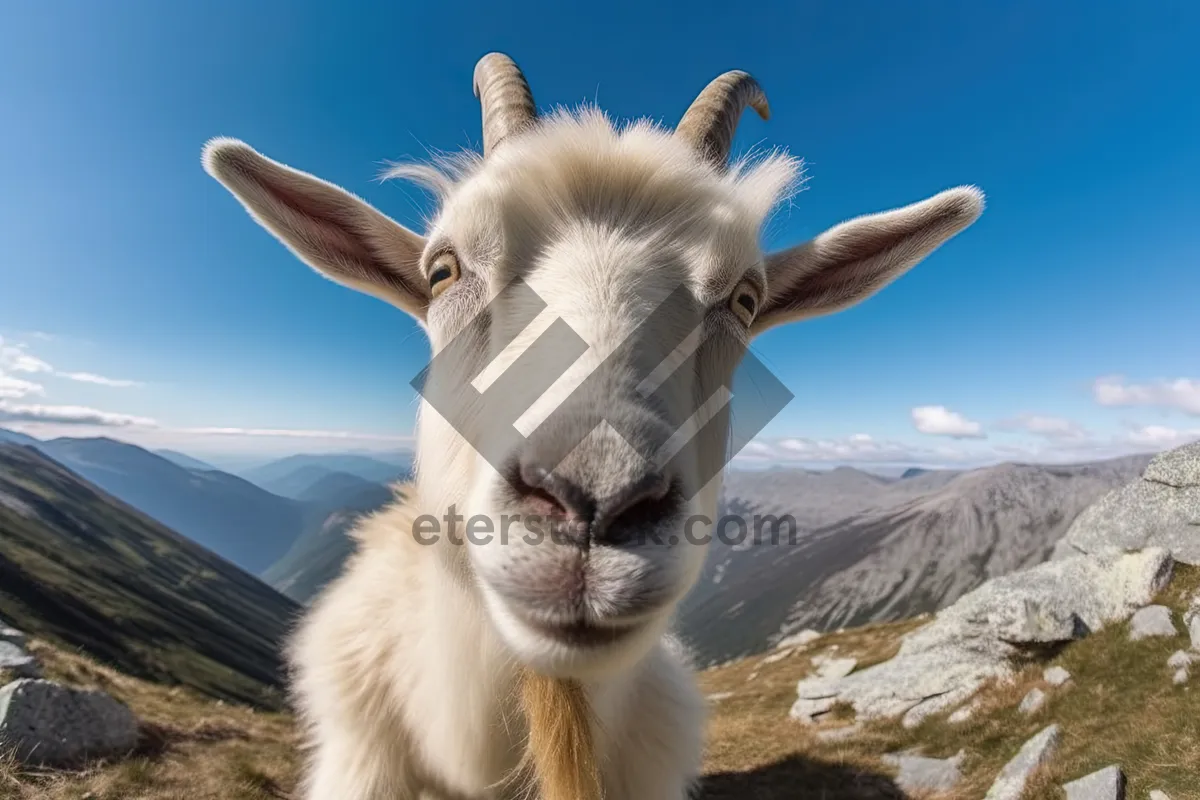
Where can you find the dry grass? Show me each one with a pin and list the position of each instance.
(192, 748)
(1121, 708)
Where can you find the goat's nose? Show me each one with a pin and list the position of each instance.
(634, 505)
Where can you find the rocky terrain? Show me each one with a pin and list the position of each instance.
(871, 549)
(1074, 678)
(80, 569)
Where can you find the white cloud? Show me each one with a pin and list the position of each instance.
(89, 377)
(14, 358)
(1160, 437)
(69, 415)
(941, 421)
(294, 433)
(12, 388)
(1048, 427)
(1182, 394)
(859, 448)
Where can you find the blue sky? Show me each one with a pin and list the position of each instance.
(121, 259)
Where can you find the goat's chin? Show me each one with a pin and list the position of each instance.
(581, 653)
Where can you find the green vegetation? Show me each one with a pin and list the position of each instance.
(83, 570)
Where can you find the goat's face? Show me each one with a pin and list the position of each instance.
(586, 291)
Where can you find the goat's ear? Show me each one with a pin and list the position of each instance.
(331, 230)
(853, 260)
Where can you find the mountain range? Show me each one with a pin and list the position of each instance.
(80, 568)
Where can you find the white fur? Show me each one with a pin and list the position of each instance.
(405, 666)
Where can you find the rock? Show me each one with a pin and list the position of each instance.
(1033, 702)
(1182, 659)
(1151, 621)
(921, 774)
(798, 639)
(1181, 676)
(1107, 784)
(1004, 621)
(751, 676)
(1179, 467)
(963, 714)
(46, 723)
(839, 734)
(1161, 509)
(807, 710)
(836, 667)
(11, 635)
(717, 697)
(1157, 795)
(1010, 783)
(776, 657)
(14, 659)
(1191, 620)
(1056, 676)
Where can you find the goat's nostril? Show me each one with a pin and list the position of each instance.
(640, 505)
(549, 495)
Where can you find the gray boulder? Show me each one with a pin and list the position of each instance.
(1056, 676)
(1010, 783)
(1033, 702)
(1191, 619)
(11, 634)
(49, 724)
(1161, 509)
(983, 635)
(14, 659)
(920, 774)
(1107, 784)
(1151, 621)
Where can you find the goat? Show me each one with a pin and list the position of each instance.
(490, 669)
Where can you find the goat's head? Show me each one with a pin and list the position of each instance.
(605, 228)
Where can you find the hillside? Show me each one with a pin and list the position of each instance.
(82, 569)
(291, 476)
(226, 514)
(184, 460)
(870, 549)
(316, 558)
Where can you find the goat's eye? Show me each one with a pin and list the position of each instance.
(744, 302)
(443, 272)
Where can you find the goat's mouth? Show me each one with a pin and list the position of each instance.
(584, 635)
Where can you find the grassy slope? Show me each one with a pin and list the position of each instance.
(82, 569)
(193, 748)
(1121, 708)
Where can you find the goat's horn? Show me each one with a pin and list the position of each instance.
(505, 98)
(712, 118)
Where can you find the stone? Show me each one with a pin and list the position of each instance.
(717, 697)
(807, 710)
(839, 734)
(1191, 620)
(1179, 467)
(49, 724)
(1010, 783)
(963, 714)
(1160, 509)
(1181, 676)
(1033, 702)
(1157, 795)
(991, 629)
(837, 667)
(1056, 676)
(799, 639)
(1107, 784)
(1182, 659)
(12, 635)
(776, 657)
(920, 774)
(14, 659)
(751, 676)
(1151, 621)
